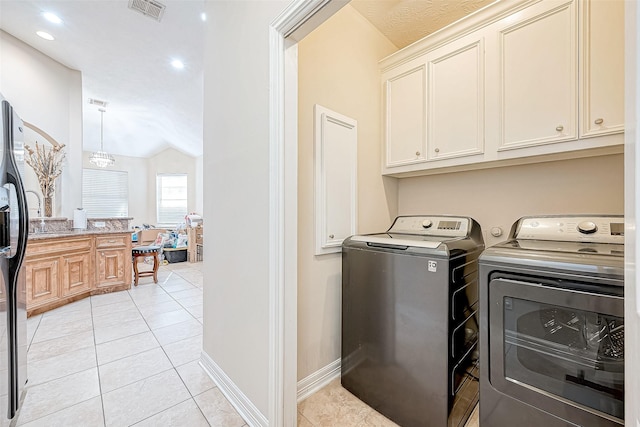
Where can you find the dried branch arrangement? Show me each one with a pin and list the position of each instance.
(47, 164)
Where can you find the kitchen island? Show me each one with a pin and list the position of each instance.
(64, 265)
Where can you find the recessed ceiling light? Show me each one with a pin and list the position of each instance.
(45, 35)
(177, 64)
(52, 17)
(203, 16)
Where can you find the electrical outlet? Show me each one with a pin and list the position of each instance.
(99, 224)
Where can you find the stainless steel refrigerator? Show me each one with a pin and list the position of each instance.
(13, 242)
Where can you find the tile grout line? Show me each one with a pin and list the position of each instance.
(95, 344)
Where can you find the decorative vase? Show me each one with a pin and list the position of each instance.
(48, 206)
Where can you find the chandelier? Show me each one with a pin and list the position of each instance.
(101, 158)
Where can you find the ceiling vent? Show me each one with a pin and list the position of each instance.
(151, 8)
(98, 102)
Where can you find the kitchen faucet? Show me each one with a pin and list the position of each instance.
(42, 224)
(38, 197)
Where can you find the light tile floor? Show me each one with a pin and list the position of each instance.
(335, 406)
(131, 358)
(125, 358)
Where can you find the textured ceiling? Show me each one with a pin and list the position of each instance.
(406, 21)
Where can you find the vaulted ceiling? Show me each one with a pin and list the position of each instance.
(125, 59)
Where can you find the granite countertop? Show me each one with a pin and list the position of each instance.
(72, 233)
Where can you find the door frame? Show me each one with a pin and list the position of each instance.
(286, 30)
(295, 22)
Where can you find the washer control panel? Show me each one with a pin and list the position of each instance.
(448, 226)
(598, 229)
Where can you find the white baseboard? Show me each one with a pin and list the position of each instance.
(320, 378)
(240, 402)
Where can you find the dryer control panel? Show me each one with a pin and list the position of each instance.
(447, 226)
(597, 229)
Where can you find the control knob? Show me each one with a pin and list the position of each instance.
(587, 227)
(427, 223)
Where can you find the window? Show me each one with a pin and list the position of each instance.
(171, 198)
(105, 193)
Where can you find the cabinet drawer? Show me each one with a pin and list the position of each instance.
(114, 241)
(48, 247)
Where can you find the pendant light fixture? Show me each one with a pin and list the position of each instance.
(101, 158)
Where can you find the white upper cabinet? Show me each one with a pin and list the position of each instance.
(602, 70)
(405, 114)
(538, 77)
(455, 110)
(519, 81)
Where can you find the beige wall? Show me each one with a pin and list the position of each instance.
(48, 95)
(142, 180)
(170, 161)
(338, 69)
(237, 173)
(499, 196)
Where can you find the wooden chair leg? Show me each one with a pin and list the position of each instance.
(135, 270)
(156, 263)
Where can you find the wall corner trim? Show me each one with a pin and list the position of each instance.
(317, 380)
(246, 409)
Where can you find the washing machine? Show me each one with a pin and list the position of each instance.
(552, 324)
(410, 319)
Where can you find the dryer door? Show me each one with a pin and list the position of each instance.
(558, 349)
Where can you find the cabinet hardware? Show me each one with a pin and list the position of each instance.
(560, 128)
(437, 150)
(417, 153)
(331, 236)
(599, 121)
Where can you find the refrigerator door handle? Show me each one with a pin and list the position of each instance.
(13, 177)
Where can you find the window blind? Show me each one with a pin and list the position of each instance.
(171, 198)
(105, 193)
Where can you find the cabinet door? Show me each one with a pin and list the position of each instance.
(111, 266)
(538, 82)
(405, 114)
(76, 273)
(42, 281)
(336, 179)
(602, 67)
(456, 100)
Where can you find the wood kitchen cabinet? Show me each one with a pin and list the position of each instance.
(43, 284)
(76, 273)
(113, 261)
(63, 269)
(58, 271)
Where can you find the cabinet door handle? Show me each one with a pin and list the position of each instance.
(331, 236)
(599, 121)
(437, 150)
(560, 128)
(111, 241)
(417, 153)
